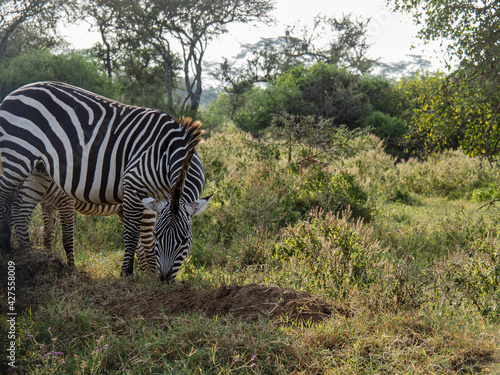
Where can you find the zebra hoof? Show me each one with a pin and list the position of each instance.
(5, 240)
(127, 273)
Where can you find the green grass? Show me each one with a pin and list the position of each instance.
(414, 279)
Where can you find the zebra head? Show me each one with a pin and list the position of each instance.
(173, 230)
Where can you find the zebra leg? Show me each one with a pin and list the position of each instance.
(14, 173)
(49, 225)
(29, 195)
(139, 251)
(66, 209)
(132, 216)
(147, 240)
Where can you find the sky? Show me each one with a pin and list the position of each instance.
(392, 36)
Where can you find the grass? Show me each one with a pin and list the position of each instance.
(413, 279)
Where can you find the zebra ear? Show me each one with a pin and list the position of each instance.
(197, 207)
(154, 204)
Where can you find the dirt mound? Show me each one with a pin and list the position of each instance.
(241, 301)
(32, 269)
(123, 298)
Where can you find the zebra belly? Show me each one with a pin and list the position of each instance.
(97, 209)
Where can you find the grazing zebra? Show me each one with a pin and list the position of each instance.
(103, 152)
(39, 188)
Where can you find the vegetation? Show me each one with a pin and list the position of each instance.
(73, 68)
(369, 197)
(465, 111)
(401, 251)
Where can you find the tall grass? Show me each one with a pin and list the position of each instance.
(402, 251)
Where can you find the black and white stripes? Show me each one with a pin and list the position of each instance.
(100, 152)
(39, 188)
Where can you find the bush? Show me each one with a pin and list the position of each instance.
(331, 192)
(73, 68)
(472, 275)
(327, 251)
(487, 193)
(257, 193)
(449, 174)
(391, 129)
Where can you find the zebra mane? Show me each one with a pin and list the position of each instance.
(193, 138)
(192, 128)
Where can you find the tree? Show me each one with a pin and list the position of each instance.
(74, 68)
(203, 21)
(323, 91)
(136, 47)
(316, 137)
(329, 40)
(407, 68)
(27, 24)
(150, 31)
(469, 105)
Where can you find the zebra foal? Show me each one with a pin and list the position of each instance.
(102, 152)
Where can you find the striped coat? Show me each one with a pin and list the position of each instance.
(39, 188)
(103, 152)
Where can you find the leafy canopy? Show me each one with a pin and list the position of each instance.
(465, 111)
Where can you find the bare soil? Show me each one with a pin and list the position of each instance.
(241, 301)
(38, 268)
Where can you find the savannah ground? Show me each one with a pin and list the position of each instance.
(365, 266)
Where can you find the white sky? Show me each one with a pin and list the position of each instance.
(391, 35)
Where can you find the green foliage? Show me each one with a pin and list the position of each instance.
(469, 27)
(315, 138)
(449, 174)
(322, 91)
(73, 68)
(464, 112)
(261, 104)
(473, 272)
(418, 283)
(487, 193)
(31, 25)
(327, 91)
(414, 93)
(389, 128)
(454, 114)
(327, 252)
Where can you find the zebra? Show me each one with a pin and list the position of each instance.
(103, 152)
(39, 188)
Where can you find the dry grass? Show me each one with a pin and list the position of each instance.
(425, 299)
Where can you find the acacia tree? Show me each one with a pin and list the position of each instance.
(329, 40)
(316, 137)
(25, 24)
(154, 30)
(467, 108)
(203, 21)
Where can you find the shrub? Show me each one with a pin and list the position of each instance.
(327, 251)
(449, 174)
(391, 129)
(472, 275)
(487, 193)
(73, 68)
